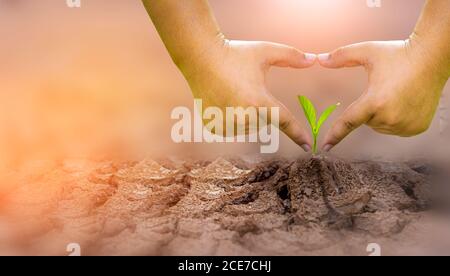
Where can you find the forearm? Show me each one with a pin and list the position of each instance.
(187, 28)
(433, 32)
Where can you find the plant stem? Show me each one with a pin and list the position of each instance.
(315, 145)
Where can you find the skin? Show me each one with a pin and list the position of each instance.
(406, 78)
(221, 72)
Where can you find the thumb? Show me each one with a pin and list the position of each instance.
(348, 56)
(359, 113)
(290, 126)
(286, 56)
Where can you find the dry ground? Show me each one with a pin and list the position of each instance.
(227, 206)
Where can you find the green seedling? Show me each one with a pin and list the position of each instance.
(310, 113)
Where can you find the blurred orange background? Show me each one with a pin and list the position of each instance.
(97, 80)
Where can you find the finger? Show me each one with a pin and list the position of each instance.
(348, 56)
(359, 113)
(286, 56)
(290, 126)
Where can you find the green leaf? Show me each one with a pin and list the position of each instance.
(310, 111)
(325, 115)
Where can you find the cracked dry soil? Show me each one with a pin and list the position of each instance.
(224, 207)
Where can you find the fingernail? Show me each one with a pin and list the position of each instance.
(323, 57)
(310, 57)
(327, 148)
(306, 147)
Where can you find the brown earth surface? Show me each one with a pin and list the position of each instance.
(228, 206)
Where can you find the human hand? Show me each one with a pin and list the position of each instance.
(233, 74)
(405, 85)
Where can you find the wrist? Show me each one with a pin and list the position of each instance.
(433, 57)
(201, 54)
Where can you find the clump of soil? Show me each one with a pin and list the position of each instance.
(224, 207)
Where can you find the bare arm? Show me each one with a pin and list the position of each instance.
(433, 32)
(221, 72)
(406, 78)
(187, 28)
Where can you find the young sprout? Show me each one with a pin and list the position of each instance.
(310, 113)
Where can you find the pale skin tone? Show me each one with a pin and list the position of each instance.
(221, 72)
(406, 78)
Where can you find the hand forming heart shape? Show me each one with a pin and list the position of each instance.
(404, 81)
(406, 78)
